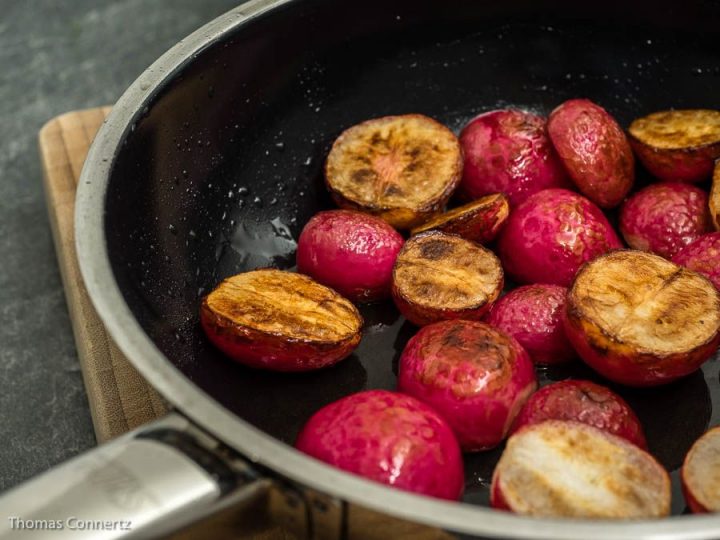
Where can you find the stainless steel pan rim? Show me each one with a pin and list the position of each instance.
(253, 443)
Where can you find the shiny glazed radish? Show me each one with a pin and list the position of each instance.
(400, 168)
(390, 438)
(532, 314)
(475, 376)
(569, 469)
(351, 252)
(440, 276)
(479, 221)
(677, 146)
(594, 150)
(280, 321)
(584, 402)
(700, 474)
(508, 151)
(548, 237)
(702, 256)
(665, 217)
(641, 320)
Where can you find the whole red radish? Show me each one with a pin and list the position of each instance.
(700, 474)
(594, 150)
(509, 151)
(390, 438)
(351, 252)
(665, 217)
(549, 237)
(476, 376)
(573, 470)
(702, 256)
(532, 314)
(585, 402)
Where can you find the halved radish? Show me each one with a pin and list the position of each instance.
(476, 376)
(715, 198)
(400, 168)
(678, 146)
(281, 321)
(700, 474)
(479, 221)
(640, 320)
(569, 469)
(440, 276)
(585, 402)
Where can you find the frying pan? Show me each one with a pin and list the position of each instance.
(211, 163)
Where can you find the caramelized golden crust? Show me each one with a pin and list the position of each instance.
(479, 220)
(401, 168)
(701, 471)
(677, 130)
(568, 469)
(439, 271)
(638, 303)
(279, 303)
(715, 198)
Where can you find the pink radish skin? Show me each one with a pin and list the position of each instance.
(594, 150)
(509, 151)
(532, 314)
(390, 438)
(702, 256)
(665, 217)
(551, 235)
(586, 402)
(351, 252)
(476, 376)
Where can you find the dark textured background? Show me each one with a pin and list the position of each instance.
(56, 57)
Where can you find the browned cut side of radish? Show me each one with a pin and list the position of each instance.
(678, 145)
(700, 474)
(440, 276)
(568, 469)
(400, 168)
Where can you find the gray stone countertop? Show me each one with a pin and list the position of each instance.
(56, 57)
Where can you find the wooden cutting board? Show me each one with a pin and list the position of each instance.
(120, 399)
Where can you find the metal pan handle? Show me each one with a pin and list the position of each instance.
(144, 484)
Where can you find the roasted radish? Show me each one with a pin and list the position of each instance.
(585, 402)
(549, 236)
(665, 217)
(400, 168)
(479, 221)
(508, 151)
(702, 256)
(569, 469)
(641, 320)
(714, 202)
(594, 150)
(281, 321)
(390, 438)
(352, 252)
(476, 376)
(532, 314)
(440, 276)
(700, 474)
(677, 146)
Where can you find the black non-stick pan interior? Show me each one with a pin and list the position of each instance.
(225, 166)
